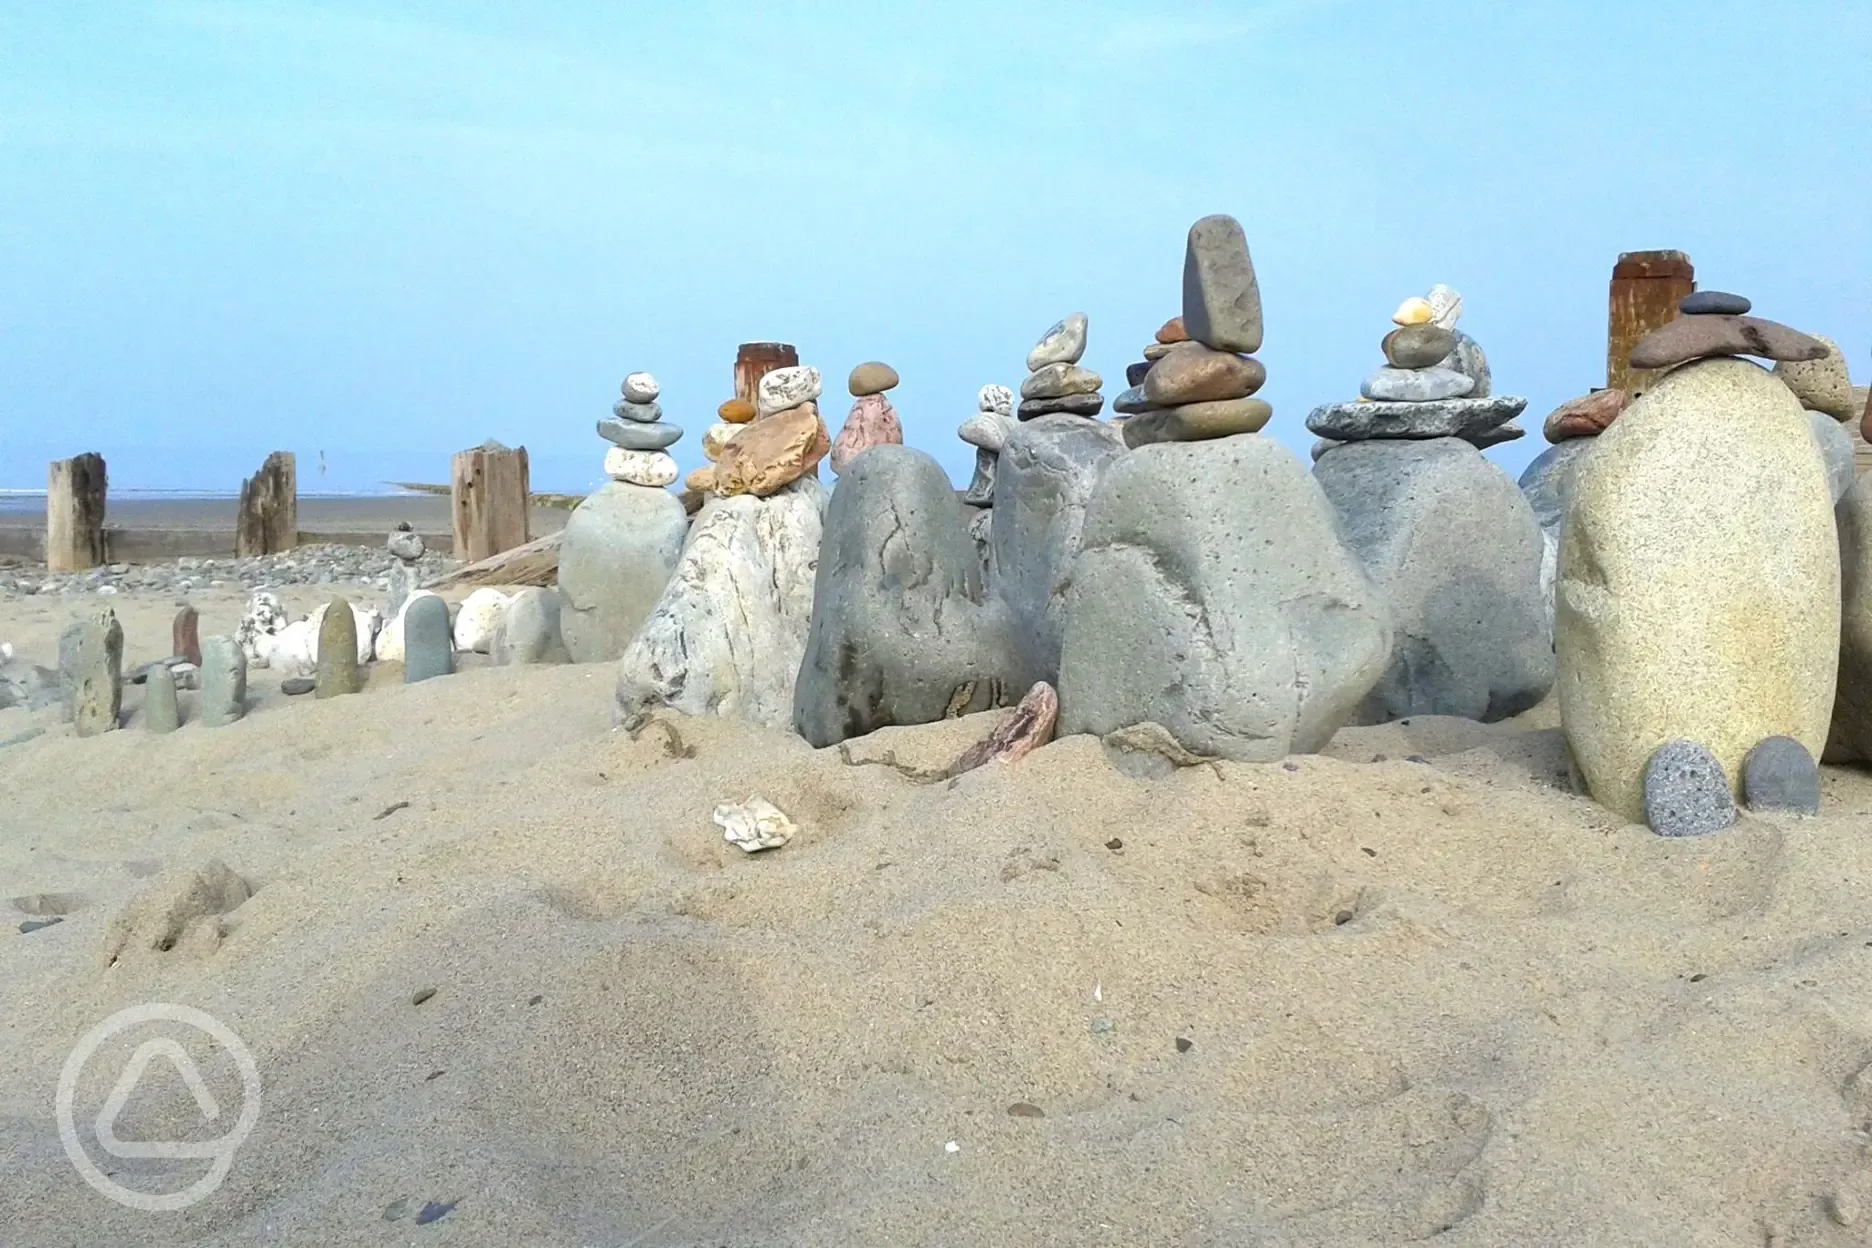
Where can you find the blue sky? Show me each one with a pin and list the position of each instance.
(387, 232)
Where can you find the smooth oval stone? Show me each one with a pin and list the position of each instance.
(986, 431)
(428, 640)
(1172, 332)
(223, 681)
(1135, 373)
(641, 388)
(1780, 775)
(529, 629)
(736, 411)
(1415, 385)
(787, 388)
(1132, 401)
(642, 413)
(653, 469)
(1713, 303)
(1587, 416)
(337, 651)
(1221, 296)
(1070, 404)
(1418, 346)
(294, 686)
(161, 711)
(998, 399)
(1703, 337)
(1063, 344)
(1414, 311)
(1685, 791)
(1056, 381)
(634, 435)
(1194, 373)
(1197, 422)
(872, 377)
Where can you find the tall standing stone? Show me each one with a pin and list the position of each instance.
(428, 639)
(338, 651)
(91, 673)
(161, 711)
(185, 635)
(1646, 288)
(1221, 297)
(223, 681)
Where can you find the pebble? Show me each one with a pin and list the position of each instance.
(1685, 791)
(642, 413)
(634, 435)
(981, 486)
(1197, 422)
(1414, 311)
(1221, 297)
(641, 388)
(223, 681)
(1072, 404)
(477, 620)
(185, 635)
(736, 411)
(1418, 346)
(1135, 373)
(998, 399)
(787, 388)
(1780, 775)
(986, 430)
(1194, 373)
(652, 469)
(293, 686)
(1063, 344)
(1587, 416)
(529, 629)
(29, 926)
(1056, 381)
(1713, 303)
(719, 435)
(428, 642)
(1172, 332)
(161, 711)
(872, 377)
(1415, 385)
(337, 651)
(1701, 337)
(1451, 418)
(91, 673)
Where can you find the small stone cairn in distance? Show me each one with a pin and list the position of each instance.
(872, 421)
(1055, 381)
(987, 431)
(406, 547)
(1428, 387)
(640, 440)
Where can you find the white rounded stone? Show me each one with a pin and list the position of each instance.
(640, 388)
(481, 614)
(1063, 344)
(987, 430)
(997, 399)
(654, 469)
(265, 616)
(1445, 306)
(785, 388)
(719, 435)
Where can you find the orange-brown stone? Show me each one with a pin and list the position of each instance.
(1586, 417)
(736, 411)
(1173, 331)
(773, 453)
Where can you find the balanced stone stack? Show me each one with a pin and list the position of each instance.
(1201, 389)
(1435, 384)
(621, 544)
(785, 441)
(1055, 382)
(987, 431)
(1699, 597)
(406, 547)
(1131, 401)
(872, 421)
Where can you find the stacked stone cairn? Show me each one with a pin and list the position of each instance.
(872, 421)
(987, 431)
(1698, 608)
(1435, 384)
(1055, 382)
(622, 542)
(730, 418)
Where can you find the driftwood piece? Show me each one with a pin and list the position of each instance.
(75, 497)
(268, 522)
(534, 563)
(754, 360)
(488, 487)
(1646, 288)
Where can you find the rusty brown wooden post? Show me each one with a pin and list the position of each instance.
(1646, 287)
(268, 521)
(755, 360)
(490, 490)
(75, 496)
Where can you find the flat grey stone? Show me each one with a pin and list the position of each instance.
(223, 682)
(986, 431)
(1713, 303)
(1057, 381)
(1456, 550)
(297, 686)
(91, 673)
(1836, 451)
(1221, 297)
(1450, 418)
(529, 629)
(1131, 402)
(619, 548)
(1486, 438)
(642, 413)
(1685, 791)
(428, 640)
(1071, 405)
(1415, 385)
(635, 435)
(1778, 774)
(902, 631)
(162, 712)
(1135, 373)
(980, 492)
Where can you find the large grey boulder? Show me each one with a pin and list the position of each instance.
(619, 548)
(1212, 595)
(1455, 548)
(729, 632)
(1046, 476)
(1544, 483)
(901, 632)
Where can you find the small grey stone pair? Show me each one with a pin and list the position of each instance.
(1687, 794)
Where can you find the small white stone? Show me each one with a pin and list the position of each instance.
(641, 388)
(481, 614)
(648, 468)
(1063, 344)
(987, 430)
(1445, 306)
(719, 435)
(952, 1147)
(755, 824)
(997, 399)
(786, 387)
(265, 616)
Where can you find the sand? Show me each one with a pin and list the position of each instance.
(1351, 999)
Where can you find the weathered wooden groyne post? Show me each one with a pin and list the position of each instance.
(1646, 287)
(268, 522)
(75, 496)
(489, 491)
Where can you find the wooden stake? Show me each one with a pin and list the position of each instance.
(1646, 288)
(269, 508)
(754, 360)
(488, 487)
(75, 493)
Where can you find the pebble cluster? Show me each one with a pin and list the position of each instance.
(370, 566)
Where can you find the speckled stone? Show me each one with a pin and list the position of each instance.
(338, 652)
(1779, 775)
(1221, 296)
(1415, 385)
(1686, 792)
(1821, 385)
(1451, 418)
(1699, 582)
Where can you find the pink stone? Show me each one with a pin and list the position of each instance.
(1028, 727)
(873, 422)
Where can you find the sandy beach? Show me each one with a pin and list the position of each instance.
(1411, 988)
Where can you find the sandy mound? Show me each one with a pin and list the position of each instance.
(1325, 1002)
